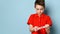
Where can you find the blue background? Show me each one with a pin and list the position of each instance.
(15, 13)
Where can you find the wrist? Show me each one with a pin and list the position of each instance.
(45, 26)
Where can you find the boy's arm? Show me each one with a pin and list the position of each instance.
(48, 30)
(31, 28)
(47, 27)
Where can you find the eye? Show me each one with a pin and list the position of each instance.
(41, 9)
(38, 9)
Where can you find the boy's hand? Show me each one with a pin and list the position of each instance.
(33, 28)
(40, 28)
(48, 30)
(36, 28)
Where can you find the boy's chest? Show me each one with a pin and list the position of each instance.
(39, 21)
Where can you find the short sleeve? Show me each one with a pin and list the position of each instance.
(30, 20)
(49, 21)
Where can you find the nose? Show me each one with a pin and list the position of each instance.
(40, 10)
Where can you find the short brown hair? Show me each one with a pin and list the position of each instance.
(40, 2)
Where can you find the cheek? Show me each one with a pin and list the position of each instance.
(42, 11)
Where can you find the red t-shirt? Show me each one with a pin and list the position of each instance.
(35, 20)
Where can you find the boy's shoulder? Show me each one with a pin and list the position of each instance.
(33, 14)
(46, 15)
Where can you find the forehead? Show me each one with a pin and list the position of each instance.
(39, 6)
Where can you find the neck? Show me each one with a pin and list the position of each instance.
(39, 15)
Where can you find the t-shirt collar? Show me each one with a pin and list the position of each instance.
(40, 15)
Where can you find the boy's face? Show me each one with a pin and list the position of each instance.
(39, 9)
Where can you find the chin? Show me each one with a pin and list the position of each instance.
(39, 13)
